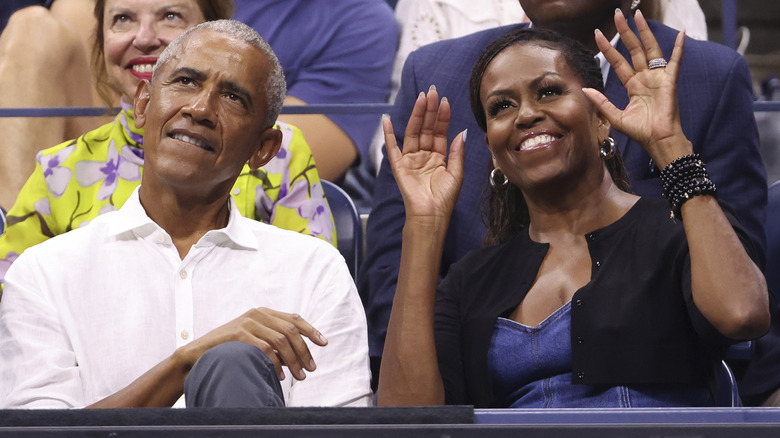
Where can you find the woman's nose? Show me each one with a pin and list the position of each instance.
(528, 115)
(147, 39)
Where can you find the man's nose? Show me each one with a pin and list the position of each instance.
(202, 108)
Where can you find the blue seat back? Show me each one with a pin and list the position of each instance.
(349, 229)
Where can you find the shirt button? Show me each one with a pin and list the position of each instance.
(183, 274)
(236, 191)
(185, 334)
(580, 340)
(578, 303)
(598, 263)
(580, 375)
(160, 237)
(591, 237)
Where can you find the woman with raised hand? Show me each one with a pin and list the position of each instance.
(587, 295)
(77, 180)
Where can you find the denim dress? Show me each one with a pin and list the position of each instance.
(531, 368)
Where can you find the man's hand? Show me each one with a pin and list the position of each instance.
(279, 335)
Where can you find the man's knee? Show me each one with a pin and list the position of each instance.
(235, 356)
(233, 374)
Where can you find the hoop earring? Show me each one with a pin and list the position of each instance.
(607, 149)
(635, 4)
(498, 184)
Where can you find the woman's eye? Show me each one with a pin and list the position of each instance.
(121, 18)
(497, 107)
(549, 91)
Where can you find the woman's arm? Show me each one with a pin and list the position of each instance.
(429, 184)
(728, 288)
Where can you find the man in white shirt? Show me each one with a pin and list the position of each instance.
(117, 314)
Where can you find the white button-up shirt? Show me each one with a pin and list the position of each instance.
(86, 313)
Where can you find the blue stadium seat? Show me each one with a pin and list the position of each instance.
(349, 229)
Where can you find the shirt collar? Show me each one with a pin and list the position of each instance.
(132, 218)
(603, 63)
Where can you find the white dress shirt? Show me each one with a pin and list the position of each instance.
(87, 312)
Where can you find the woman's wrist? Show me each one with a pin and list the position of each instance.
(684, 178)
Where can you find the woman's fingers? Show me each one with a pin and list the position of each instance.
(391, 144)
(440, 128)
(622, 68)
(673, 67)
(632, 43)
(413, 128)
(427, 130)
(455, 159)
(652, 49)
(610, 111)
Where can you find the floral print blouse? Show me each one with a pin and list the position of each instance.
(78, 180)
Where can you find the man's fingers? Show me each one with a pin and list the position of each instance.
(269, 351)
(288, 344)
(284, 332)
(302, 325)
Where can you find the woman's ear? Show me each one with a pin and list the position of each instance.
(269, 142)
(603, 126)
(141, 102)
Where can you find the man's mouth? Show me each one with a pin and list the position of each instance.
(192, 140)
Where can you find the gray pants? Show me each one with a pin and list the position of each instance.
(233, 375)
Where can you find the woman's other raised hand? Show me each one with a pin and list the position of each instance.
(652, 116)
(428, 179)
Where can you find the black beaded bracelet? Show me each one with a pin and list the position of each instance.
(683, 179)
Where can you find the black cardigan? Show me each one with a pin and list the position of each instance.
(634, 323)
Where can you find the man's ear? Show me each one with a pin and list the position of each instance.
(269, 142)
(141, 102)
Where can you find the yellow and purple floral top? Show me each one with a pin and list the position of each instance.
(78, 180)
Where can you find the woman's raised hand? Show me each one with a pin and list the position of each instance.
(652, 115)
(429, 182)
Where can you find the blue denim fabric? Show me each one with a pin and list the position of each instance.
(531, 368)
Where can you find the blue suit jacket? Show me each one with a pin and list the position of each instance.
(716, 108)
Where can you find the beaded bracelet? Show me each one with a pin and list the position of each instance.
(683, 179)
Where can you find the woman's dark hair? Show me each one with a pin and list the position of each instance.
(211, 9)
(505, 212)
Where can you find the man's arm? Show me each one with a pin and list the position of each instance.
(279, 335)
(731, 151)
(342, 377)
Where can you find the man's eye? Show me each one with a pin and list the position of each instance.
(184, 80)
(121, 18)
(171, 16)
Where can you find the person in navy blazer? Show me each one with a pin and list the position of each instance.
(716, 108)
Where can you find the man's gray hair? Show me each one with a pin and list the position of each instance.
(275, 86)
